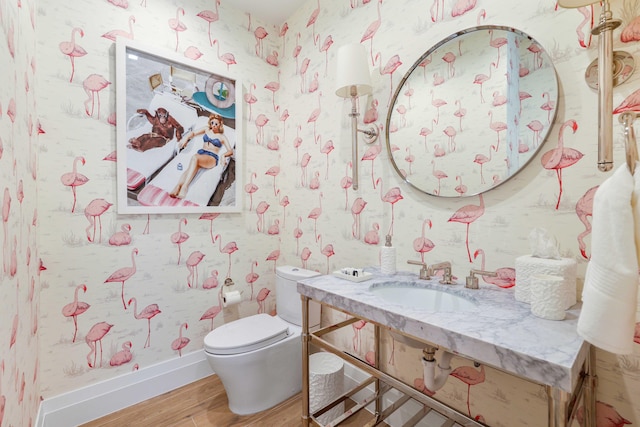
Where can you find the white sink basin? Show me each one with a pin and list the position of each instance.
(423, 298)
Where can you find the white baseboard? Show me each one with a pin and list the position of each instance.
(103, 398)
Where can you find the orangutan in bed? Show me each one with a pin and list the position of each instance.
(162, 130)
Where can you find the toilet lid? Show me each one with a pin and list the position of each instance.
(246, 334)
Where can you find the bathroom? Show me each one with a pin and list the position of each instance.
(46, 254)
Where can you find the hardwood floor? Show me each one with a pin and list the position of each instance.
(204, 404)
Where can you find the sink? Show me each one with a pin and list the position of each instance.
(423, 298)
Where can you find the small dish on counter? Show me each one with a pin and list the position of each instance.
(359, 278)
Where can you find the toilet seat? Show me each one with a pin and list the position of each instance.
(246, 334)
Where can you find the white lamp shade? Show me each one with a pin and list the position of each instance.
(352, 70)
(575, 3)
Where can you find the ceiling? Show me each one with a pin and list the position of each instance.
(273, 11)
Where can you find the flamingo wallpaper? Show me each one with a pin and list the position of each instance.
(91, 295)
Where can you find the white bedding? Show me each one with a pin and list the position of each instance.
(141, 165)
(201, 189)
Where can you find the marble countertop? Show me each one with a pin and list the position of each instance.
(501, 332)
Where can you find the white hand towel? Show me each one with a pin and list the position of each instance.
(608, 315)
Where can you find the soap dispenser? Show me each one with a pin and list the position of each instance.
(388, 257)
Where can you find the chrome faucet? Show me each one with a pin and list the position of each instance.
(472, 280)
(424, 271)
(445, 266)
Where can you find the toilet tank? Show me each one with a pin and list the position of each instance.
(288, 302)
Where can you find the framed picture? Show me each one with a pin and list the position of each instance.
(179, 145)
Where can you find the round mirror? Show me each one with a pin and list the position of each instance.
(472, 111)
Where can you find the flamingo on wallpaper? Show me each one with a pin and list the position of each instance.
(561, 157)
(114, 34)
(179, 237)
(123, 356)
(94, 210)
(438, 174)
(297, 234)
(250, 188)
(372, 237)
(481, 79)
(393, 196)
(357, 327)
(328, 41)
(497, 127)
(630, 103)
(345, 183)
(92, 86)
(584, 210)
(75, 308)
(461, 7)
(74, 179)
(437, 9)
(73, 50)
(260, 210)
(260, 34)
(496, 43)
(466, 215)
(315, 214)
(356, 209)
(148, 313)
(606, 416)
(252, 277)
(212, 312)
(181, 342)
(210, 216)
(210, 16)
(274, 255)
(470, 377)
(506, 276)
(391, 66)
(177, 25)
(548, 106)
(371, 154)
(228, 249)
(422, 245)
(228, 58)
(481, 159)
(311, 22)
(123, 274)
(273, 86)
(211, 282)
(461, 189)
(371, 31)
(250, 98)
(122, 237)
(273, 172)
(192, 266)
(296, 51)
(261, 297)
(284, 202)
(93, 338)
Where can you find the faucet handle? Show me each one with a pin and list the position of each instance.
(424, 271)
(472, 280)
(445, 266)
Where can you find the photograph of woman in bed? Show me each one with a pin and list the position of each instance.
(207, 157)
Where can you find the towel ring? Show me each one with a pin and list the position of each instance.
(630, 146)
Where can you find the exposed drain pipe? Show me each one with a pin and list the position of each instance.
(434, 381)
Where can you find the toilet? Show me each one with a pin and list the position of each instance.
(259, 358)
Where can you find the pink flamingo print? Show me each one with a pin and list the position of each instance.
(261, 297)
(391, 66)
(210, 216)
(345, 183)
(260, 33)
(470, 377)
(548, 106)
(498, 99)
(283, 118)
(250, 98)
(273, 87)
(283, 33)
(148, 313)
(422, 245)
(73, 50)
(327, 251)
(497, 43)
(273, 172)
(261, 120)
(123, 274)
(561, 157)
(450, 59)
(74, 179)
(506, 276)
(228, 249)
(210, 16)
(372, 237)
(435, 10)
(227, 57)
(480, 79)
(284, 202)
(192, 266)
(274, 228)
(466, 215)
(212, 312)
(606, 416)
(326, 149)
(297, 233)
(260, 210)
(371, 115)
(114, 34)
(181, 342)
(192, 52)
(304, 256)
(460, 113)
(313, 117)
(328, 41)
(393, 196)
(371, 154)
(437, 103)
(94, 210)
(588, 16)
(357, 326)
(296, 51)
(630, 103)
(371, 31)
(315, 214)
(535, 127)
(251, 188)
(211, 281)
(274, 255)
(93, 338)
(177, 25)
(356, 210)
(92, 86)
(314, 184)
(461, 7)
(438, 174)
(311, 22)
(123, 356)
(461, 189)
(584, 209)
(252, 277)
(497, 127)
(179, 237)
(451, 133)
(122, 237)
(481, 159)
(425, 132)
(75, 308)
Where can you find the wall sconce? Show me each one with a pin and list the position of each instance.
(352, 80)
(613, 68)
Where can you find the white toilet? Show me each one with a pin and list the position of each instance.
(259, 358)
